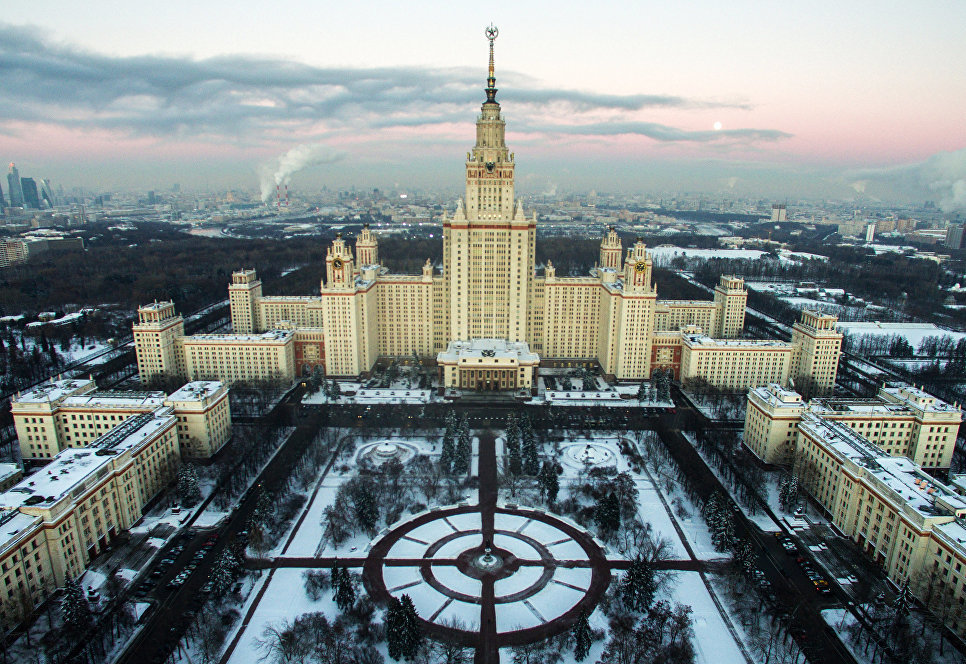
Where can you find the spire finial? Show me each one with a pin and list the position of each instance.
(491, 33)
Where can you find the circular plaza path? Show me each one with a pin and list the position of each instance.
(486, 576)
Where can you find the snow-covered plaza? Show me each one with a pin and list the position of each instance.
(488, 572)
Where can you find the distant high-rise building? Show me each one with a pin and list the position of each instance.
(46, 193)
(28, 190)
(956, 237)
(869, 231)
(3, 201)
(13, 182)
(779, 212)
(152, 198)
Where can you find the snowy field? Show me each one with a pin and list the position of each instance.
(913, 332)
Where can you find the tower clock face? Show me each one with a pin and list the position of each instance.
(641, 266)
(337, 263)
(490, 166)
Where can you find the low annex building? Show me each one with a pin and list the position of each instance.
(487, 290)
(73, 413)
(901, 420)
(53, 522)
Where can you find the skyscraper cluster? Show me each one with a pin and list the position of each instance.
(26, 192)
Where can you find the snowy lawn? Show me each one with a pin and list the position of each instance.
(714, 643)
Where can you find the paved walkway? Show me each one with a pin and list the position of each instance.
(488, 639)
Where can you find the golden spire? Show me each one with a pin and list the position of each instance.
(491, 33)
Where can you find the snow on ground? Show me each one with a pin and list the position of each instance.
(284, 599)
(663, 255)
(211, 517)
(597, 620)
(840, 620)
(651, 510)
(454, 579)
(913, 332)
(760, 518)
(309, 536)
(519, 581)
(713, 641)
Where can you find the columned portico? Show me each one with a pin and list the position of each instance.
(487, 365)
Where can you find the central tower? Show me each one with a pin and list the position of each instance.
(488, 245)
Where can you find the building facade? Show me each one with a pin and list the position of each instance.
(55, 521)
(901, 420)
(72, 413)
(487, 292)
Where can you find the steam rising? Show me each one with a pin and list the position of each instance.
(280, 170)
(942, 175)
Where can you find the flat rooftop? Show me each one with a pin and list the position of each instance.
(13, 526)
(265, 337)
(488, 349)
(196, 390)
(145, 400)
(55, 390)
(705, 340)
(907, 480)
(72, 467)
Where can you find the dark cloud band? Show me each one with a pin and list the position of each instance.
(248, 100)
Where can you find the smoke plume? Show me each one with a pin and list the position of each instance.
(280, 170)
(942, 176)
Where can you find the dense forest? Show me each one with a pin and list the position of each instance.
(132, 267)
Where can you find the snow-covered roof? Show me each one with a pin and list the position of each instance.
(7, 470)
(56, 390)
(265, 337)
(907, 481)
(777, 396)
(492, 349)
(705, 340)
(13, 526)
(136, 400)
(196, 390)
(72, 467)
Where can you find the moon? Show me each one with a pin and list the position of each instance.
(717, 125)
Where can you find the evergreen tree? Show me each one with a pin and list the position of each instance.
(582, 637)
(514, 462)
(464, 449)
(364, 505)
(531, 460)
(345, 595)
(334, 575)
(76, 609)
(412, 632)
(189, 492)
(638, 585)
(334, 390)
(642, 392)
(394, 629)
(549, 483)
(607, 514)
(553, 484)
(448, 453)
(223, 573)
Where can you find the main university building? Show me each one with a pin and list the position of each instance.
(488, 319)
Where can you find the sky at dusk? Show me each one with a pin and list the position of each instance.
(781, 99)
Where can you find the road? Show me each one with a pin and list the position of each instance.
(170, 616)
(794, 592)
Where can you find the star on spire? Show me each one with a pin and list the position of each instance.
(491, 33)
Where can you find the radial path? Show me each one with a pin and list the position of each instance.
(488, 652)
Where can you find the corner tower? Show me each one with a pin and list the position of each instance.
(488, 244)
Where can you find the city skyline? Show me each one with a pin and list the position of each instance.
(835, 102)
